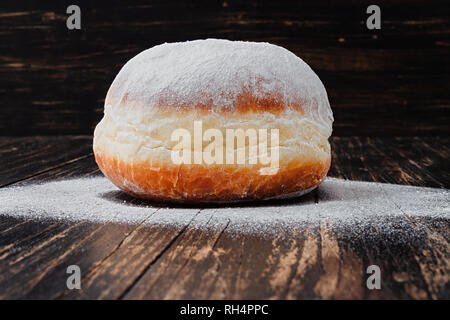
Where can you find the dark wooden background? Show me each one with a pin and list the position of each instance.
(382, 82)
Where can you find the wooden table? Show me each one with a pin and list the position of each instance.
(120, 261)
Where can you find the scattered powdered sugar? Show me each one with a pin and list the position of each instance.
(348, 204)
(214, 72)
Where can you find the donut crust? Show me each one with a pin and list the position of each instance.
(210, 184)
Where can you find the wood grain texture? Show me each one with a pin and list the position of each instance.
(326, 261)
(26, 157)
(392, 81)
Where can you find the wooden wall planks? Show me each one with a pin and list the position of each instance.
(390, 81)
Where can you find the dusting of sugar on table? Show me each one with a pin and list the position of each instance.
(347, 204)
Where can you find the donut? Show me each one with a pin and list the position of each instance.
(212, 120)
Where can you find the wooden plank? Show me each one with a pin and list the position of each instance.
(222, 265)
(388, 81)
(21, 272)
(183, 268)
(27, 157)
(79, 168)
(35, 264)
(411, 161)
(124, 266)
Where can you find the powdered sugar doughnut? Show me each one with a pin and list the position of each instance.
(231, 87)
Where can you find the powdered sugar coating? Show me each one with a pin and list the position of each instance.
(348, 204)
(214, 73)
